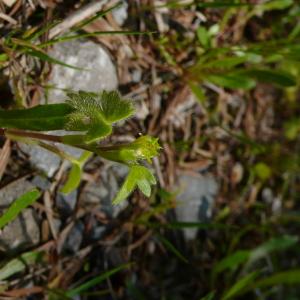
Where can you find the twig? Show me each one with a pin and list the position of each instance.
(8, 18)
(76, 17)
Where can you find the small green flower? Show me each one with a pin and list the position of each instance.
(143, 148)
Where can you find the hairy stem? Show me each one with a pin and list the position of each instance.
(30, 134)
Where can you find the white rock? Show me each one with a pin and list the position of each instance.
(195, 200)
(98, 71)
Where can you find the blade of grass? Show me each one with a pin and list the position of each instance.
(97, 16)
(19, 264)
(89, 284)
(285, 277)
(90, 34)
(240, 285)
(172, 248)
(18, 205)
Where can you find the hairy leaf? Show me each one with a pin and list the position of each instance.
(95, 113)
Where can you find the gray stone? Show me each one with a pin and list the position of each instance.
(66, 203)
(12, 191)
(99, 73)
(41, 182)
(43, 160)
(120, 13)
(47, 161)
(103, 191)
(74, 238)
(21, 233)
(195, 200)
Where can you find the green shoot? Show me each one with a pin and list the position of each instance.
(92, 115)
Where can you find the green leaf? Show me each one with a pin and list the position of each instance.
(262, 171)
(3, 57)
(275, 5)
(232, 261)
(209, 296)
(35, 51)
(45, 57)
(138, 176)
(95, 113)
(289, 277)
(204, 37)
(232, 81)
(75, 173)
(240, 285)
(18, 205)
(89, 284)
(114, 108)
(223, 4)
(273, 245)
(91, 34)
(198, 92)
(38, 118)
(278, 77)
(19, 264)
(226, 62)
(292, 128)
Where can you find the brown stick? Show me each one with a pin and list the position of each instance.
(30, 134)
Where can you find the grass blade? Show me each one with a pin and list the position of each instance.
(240, 285)
(87, 285)
(19, 264)
(173, 249)
(18, 205)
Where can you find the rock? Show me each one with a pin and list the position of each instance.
(99, 73)
(21, 233)
(24, 231)
(120, 13)
(41, 182)
(103, 191)
(41, 159)
(66, 203)
(195, 201)
(74, 239)
(47, 161)
(12, 191)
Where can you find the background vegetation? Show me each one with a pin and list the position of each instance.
(240, 60)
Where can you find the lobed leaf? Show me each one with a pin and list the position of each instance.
(138, 176)
(95, 113)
